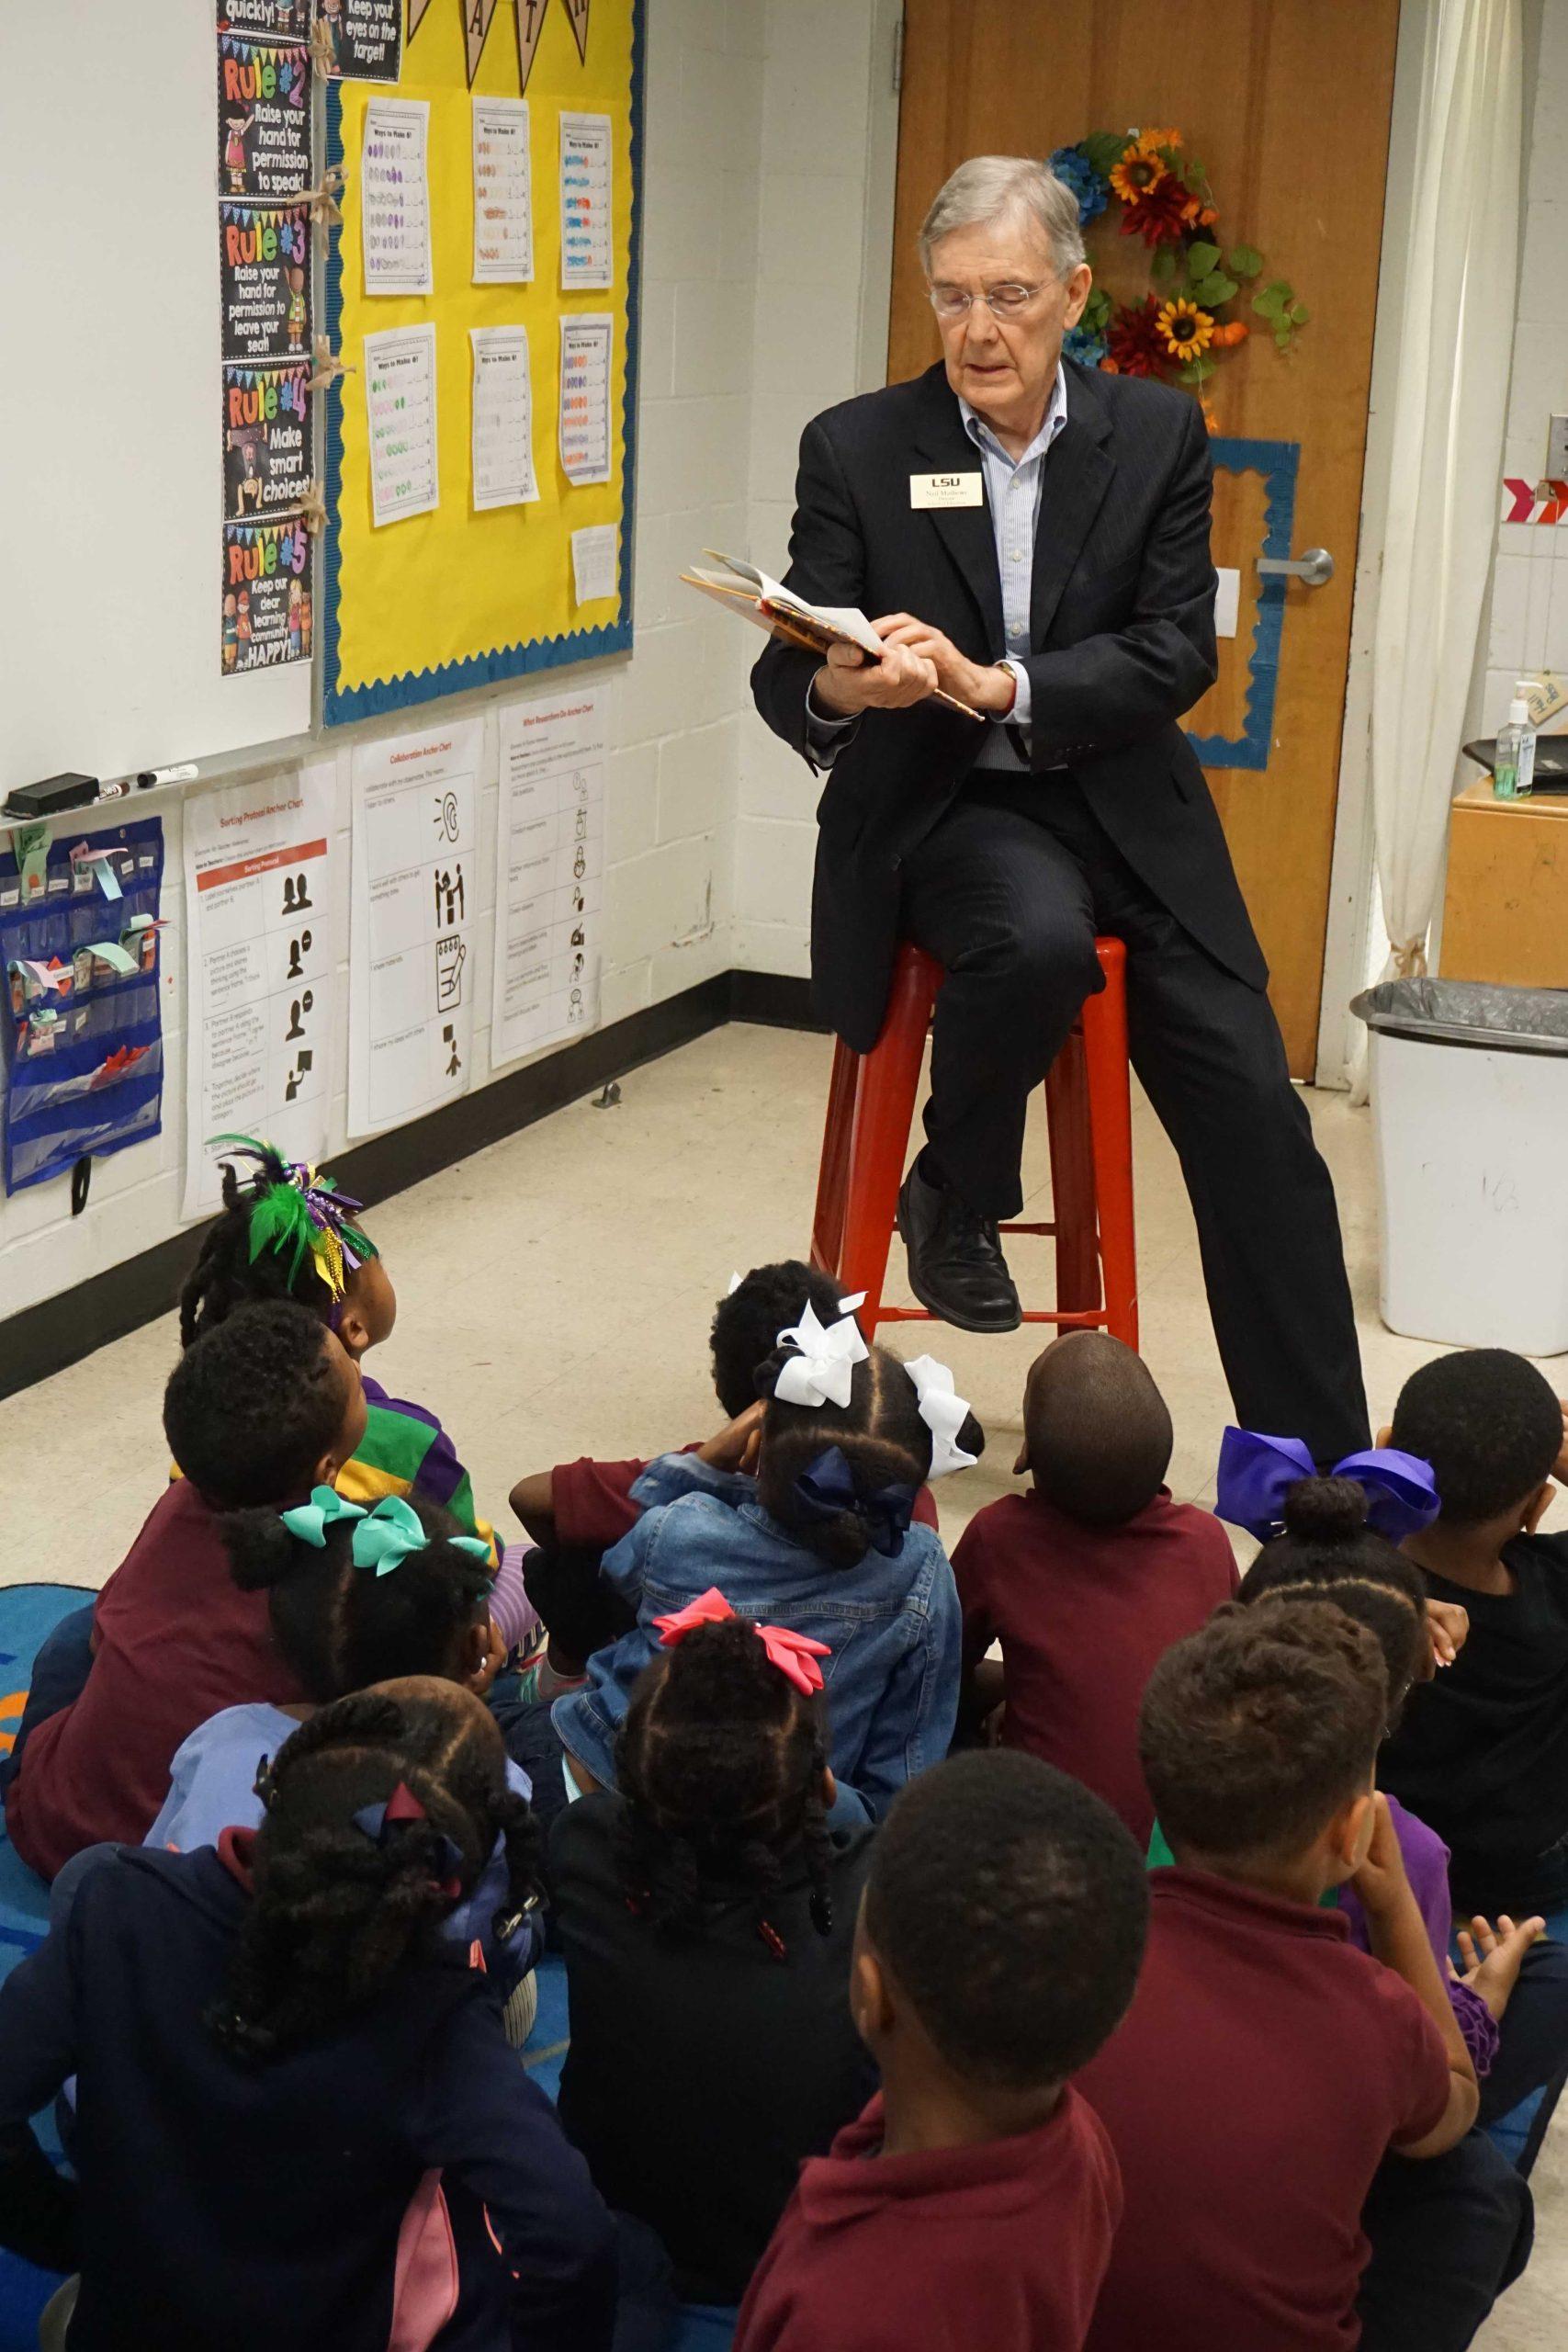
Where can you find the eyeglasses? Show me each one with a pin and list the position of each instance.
(1002, 302)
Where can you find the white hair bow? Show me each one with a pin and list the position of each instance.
(825, 1367)
(943, 1414)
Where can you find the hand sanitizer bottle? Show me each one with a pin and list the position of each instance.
(1512, 776)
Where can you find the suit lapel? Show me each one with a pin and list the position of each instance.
(1078, 475)
(966, 532)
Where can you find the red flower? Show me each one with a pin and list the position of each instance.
(1159, 215)
(1135, 343)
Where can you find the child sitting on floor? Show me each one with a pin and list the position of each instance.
(394, 1596)
(973, 2204)
(820, 1540)
(709, 1896)
(1089, 1578)
(260, 1411)
(288, 1232)
(1481, 1752)
(1265, 2067)
(579, 1511)
(299, 2122)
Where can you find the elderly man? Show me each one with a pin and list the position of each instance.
(1035, 540)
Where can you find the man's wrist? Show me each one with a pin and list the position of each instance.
(993, 689)
(821, 697)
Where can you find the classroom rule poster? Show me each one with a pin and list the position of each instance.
(414, 899)
(267, 612)
(260, 961)
(364, 39)
(266, 20)
(263, 115)
(264, 280)
(266, 439)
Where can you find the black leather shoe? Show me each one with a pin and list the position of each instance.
(956, 1267)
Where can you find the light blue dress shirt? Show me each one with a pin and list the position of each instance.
(1013, 488)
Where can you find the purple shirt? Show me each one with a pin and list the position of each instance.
(1427, 1867)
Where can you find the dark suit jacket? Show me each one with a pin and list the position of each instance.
(1121, 639)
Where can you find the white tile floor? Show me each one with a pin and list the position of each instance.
(554, 1298)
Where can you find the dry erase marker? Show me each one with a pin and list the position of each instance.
(115, 787)
(185, 774)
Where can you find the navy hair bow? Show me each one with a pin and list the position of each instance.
(1255, 1473)
(826, 1488)
(382, 1822)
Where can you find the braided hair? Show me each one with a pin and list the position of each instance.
(1328, 1553)
(337, 1912)
(227, 1275)
(341, 1628)
(721, 1763)
(880, 1434)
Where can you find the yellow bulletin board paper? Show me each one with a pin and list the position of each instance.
(460, 597)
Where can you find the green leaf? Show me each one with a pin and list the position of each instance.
(1198, 370)
(1213, 289)
(1246, 260)
(1104, 150)
(1269, 304)
(1282, 340)
(1096, 311)
(1201, 258)
(1163, 266)
(1300, 314)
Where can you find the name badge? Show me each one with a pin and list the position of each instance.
(946, 490)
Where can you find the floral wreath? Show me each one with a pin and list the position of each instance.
(1185, 318)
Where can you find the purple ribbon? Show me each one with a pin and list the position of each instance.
(1255, 1473)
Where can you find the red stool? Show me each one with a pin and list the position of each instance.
(871, 1105)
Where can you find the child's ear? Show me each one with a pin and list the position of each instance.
(475, 1655)
(869, 2004)
(1384, 1436)
(1020, 1467)
(351, 1330)
(1535, 1506)
(1349, 1834)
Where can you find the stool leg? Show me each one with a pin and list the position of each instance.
(1111, 1131)
(832, 1178)
(885, 1105)
(1072, 1181)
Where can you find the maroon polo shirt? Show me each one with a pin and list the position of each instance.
(1250, 2093)
(178, 1640)
(1083, 1615)
(593, 1503)
(1002, 2245)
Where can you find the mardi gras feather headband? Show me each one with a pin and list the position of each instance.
(295, 1209)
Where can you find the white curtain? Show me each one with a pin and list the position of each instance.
(1449, 409)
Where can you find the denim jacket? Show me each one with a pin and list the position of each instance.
(893, 1625)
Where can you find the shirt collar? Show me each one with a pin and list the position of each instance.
(980, 433)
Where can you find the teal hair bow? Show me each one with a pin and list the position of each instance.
(309, 1522)
(383, 1538)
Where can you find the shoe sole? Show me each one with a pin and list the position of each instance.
(946, 1315)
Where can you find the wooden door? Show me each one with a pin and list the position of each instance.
(1287, 103)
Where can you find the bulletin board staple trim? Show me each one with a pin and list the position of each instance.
(1276, 461)
(342, 706)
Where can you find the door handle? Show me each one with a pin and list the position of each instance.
(1314, 570)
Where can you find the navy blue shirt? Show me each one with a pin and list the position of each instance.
(255, 2206)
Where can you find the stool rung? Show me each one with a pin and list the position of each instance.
(1026, 1228)
(1090, 1319)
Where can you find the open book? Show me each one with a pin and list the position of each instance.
(767, 602)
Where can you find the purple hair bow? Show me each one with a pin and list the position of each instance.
(1256, 1473)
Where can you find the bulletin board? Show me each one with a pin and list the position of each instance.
(458, 597)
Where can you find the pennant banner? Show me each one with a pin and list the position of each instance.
(530, 14)
(477, 19)
(577, 15)
(530, 21)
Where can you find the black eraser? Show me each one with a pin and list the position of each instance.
(56, 792)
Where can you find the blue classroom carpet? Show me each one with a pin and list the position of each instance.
(28, 1614)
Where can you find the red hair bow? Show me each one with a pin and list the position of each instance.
(794, 1655)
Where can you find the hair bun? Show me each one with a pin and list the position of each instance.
(1326, 1510)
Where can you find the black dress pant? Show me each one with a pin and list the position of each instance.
(1448, 2235)
(1008, 892)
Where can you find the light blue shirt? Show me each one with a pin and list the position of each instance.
(1013, 488)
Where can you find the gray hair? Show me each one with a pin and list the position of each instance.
(988, 187)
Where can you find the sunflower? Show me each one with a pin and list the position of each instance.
(1185, 329)
(1139, 170)
(1151, 139)
(1133, 340)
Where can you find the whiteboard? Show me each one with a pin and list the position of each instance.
(110, 399)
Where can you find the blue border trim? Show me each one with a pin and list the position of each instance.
(1276, 461)
(341, 707)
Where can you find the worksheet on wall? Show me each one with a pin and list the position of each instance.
(503, 422)
(586, 340)
(549, 873)
(396, 197)
(587, 201)
(260, 965)
(400, 395)
(504, 198)
(411, 995)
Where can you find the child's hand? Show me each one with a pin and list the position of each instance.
(1448, 1627)
(1381, 1881)
(1494, 1956)
(736, 1445)
(489, 1666)
(1560, 1467)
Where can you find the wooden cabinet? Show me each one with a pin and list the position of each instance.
(1505, 904)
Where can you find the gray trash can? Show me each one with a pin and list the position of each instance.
(1470, 1112)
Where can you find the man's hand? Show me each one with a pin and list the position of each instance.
(735, 1446)
(848, 683)
(984, 686)
(1381, 1881)
(1493, 1957)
